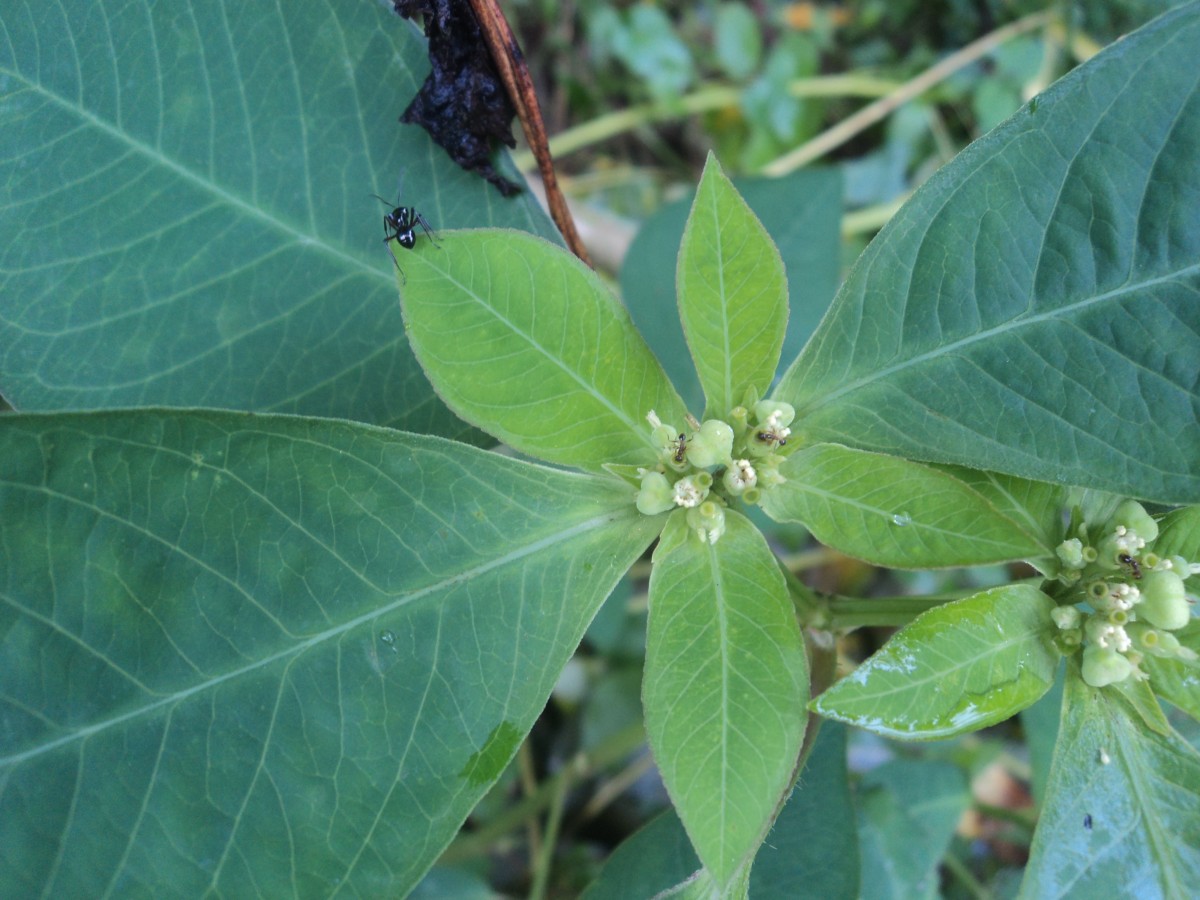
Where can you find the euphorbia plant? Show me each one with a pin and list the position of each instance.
(284, 655)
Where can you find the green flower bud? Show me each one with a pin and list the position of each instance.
(712, 445)
(772, 413)
(656, 496)
(1103, 666)
(1152, 641)
(1133, 517)
(1163, 603)
(1070, 553)
(1065, 617)
(708, 521)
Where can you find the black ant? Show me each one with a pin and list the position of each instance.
(680, 447)
(770, 437)
(1126, 559)
(400, 225)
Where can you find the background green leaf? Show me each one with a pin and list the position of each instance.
(812, 849)
(956, 668)
(184, 192)
(893, 512)
(523, 340)
(1032, 309)
(725, 686)
(260, 655)
(908, 811)
(733, 299)
(802, 212)
(1119, 818)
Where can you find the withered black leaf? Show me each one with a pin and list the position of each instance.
(462, 104)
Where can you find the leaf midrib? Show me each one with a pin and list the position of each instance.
(827, 398)
(558, 537)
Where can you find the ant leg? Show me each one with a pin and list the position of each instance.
(425, 226)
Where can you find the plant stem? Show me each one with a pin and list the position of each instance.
(705, 99)
(545, 859)
(966, 877)
(851, 612)
(885, 106)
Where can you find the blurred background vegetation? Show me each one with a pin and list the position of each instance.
(828, 116)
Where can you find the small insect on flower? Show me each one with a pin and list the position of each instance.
(1127, 560)
(400, 226)
(770, 437)
(680, 445)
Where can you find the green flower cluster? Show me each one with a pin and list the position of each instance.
(1125, 599)
(702, 469)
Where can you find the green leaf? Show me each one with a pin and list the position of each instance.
(897, 513)
(185, 198)
(523, 340)
(1036, 506)
(1179, 535)
(1119, 818)
(256, 655)
(954, 669)
(802, 212)
(1142, 703)
(725, 687)
(733, 299)
(812, 849)
(737, 40)
(1028, 311)
(1177, 680)
(908, 810)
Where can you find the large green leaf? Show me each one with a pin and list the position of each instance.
(1119, 819)
(898, 513)
(725, 687)
(271, 656)
(733, 299)
(184, 194)
(957, 668)
(1033, 309)
(523, 340)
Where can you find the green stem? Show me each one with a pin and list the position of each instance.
(705, 99)
(851, 612)
(966, 877)
(544, 862)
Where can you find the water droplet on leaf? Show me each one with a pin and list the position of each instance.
(901, 519)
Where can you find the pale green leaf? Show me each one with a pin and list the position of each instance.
(1119, 819)
(1179, 535)
(954, 669)
(812, 848)
(802, 212)
(1178, 680)
(523, 340)
(1033, 309)
(733, 298)
(271, 656)
(185, 199)
(897, 513)
(725, 687)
